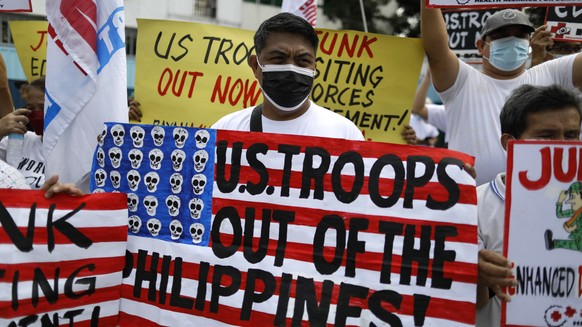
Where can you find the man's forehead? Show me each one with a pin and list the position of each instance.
(509, 30)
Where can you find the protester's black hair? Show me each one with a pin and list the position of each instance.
(285, 22)
(528, 99)
(38, 83)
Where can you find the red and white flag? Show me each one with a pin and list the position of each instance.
(251, 229)
(61, 259)
(86, 81)
(302, 8)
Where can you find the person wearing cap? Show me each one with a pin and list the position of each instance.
(473, 98)
(531, 112)
(573, 197)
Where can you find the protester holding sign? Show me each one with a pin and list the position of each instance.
(286, 47)
(284, 65)
(531, 112)
(473, 99)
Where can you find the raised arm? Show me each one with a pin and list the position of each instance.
(443, 62)
(419, 103)
(577, 71)
(6, 105)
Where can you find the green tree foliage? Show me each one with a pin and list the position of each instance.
(349, 14)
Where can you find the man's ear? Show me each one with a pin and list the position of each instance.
(480, 43)
(254, 64)
(505, 138)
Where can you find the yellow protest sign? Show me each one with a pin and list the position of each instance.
(191, 74)
(30, 42)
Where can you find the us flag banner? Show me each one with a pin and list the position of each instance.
(302, 8)
(61, 259)
(253, 229)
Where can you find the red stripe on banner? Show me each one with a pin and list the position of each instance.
(53, 34)
(457, 271)
(102, 266)
(26, 307)
(82, 17)
(311, 217)
(435, 190)
(463, 312)
(99, 201)
(95, 234)
(339, 146)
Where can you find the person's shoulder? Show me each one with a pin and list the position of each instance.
(234, 120)
(337, 122)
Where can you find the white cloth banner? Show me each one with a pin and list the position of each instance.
(302, 8)
(86, 81)
(499, 3)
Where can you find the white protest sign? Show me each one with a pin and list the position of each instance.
(543, 233)
(15, 5)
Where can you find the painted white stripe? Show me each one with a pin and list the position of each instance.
(69, 251)
(101, 281)
(82, 219)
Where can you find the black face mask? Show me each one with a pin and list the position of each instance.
(287, 87)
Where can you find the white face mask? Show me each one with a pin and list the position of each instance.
(509, 53)
(287, 87)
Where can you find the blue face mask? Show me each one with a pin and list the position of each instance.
(509, 53)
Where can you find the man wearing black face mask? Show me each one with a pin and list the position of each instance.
(284, 65)
(473, 99)
(32, 163)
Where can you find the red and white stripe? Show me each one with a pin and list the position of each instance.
(103, 220)
(303, 8)
(454, 307)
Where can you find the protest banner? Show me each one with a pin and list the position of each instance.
(252, 229)
(565, 23)
(61, 259)
(191, 74)
(30, 39)
(543, 233)
(464, 29)
(498, 3)
(15, 6)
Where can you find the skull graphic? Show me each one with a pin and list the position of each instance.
(98, 190)
(202, 136)
(176, 181)
(151, 181)
(156, 156)
(178, 157)
(180, 136)
(134, 224)
(132, 200)
(196, 231)
(176, 229)
(115, 157)
(173, 204)
(196, 205)
(150, 203)
(135, 157)
(158, 134)
(137, 134)
(198, 183)
(200, 160)
(101, 136)
(115, 178)
(100, 157)
(133, 179)
(154, 225)
(100, 177)
(118, 132)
